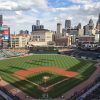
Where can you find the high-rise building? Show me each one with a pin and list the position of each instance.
(67, 24)
(37, 22)
(98, 28)
(88, 29)
(58, 28)
(33, 28)
(23, 32)
(91, 24)
(38, 26)
(41, 26)
(1, 20)
(98, 23)
(79, 26)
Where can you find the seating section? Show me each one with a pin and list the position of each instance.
(83, 54)
(6, 53)
(95, 95)
(2, 54)
(90, 92)
(6, 95)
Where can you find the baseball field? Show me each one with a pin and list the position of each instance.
(45, 73)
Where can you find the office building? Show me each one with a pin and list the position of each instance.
(98, 28)
(80, 32)
(41, 37)
(98, 23)
(19, 40)
(63, 41)
(37, 22)
(86, 39)
(79, 26)
(91, 24)
(97, 38)
(88, 29)
(23, 32)
(67, 24)
(37, 26)
(1, 20)
(59, 28)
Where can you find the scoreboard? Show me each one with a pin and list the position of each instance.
(4, 36)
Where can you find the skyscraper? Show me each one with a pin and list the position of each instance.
(98, 23)
(33, 28)
(67, 24)
(37, 22)
(98, 27)
(79, 26)
(1, 21)
(37, 26)
(58, 28)
(86, 29)
(91, 24)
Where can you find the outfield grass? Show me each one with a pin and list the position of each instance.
(84, 67)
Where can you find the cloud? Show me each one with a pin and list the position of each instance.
(17, 5)
(21, 14)
(81, 1)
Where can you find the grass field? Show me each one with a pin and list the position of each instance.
(38, 78)
(84, 67)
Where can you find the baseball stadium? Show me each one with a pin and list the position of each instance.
(40, 74)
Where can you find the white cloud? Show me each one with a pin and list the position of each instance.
(21, 14)
(81, 1)
(22, 4)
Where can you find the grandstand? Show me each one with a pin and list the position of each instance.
(91, 92)
(6, 95)
(83, 54)
(2, 54)
(95, 95)
(6, 53)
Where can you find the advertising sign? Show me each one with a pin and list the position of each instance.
(5, 37)
(5, 32)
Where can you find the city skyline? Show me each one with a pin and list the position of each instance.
(19, 14)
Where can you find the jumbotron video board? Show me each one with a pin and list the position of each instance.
(4, 36)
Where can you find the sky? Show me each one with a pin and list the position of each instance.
(22, 14)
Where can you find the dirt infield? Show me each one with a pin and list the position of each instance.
(57, 70)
